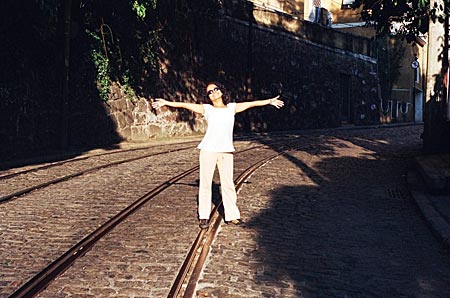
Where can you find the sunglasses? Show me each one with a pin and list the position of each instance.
(213, 90)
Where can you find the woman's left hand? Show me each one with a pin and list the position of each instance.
(158, 103)
(276, 102)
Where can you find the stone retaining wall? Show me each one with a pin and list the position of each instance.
(312, 77)
(313, 80)
(136, 120)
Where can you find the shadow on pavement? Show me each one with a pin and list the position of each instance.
(352, 230)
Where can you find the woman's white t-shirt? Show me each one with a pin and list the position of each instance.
(219, 134)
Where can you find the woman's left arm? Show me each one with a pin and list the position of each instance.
(242, 106)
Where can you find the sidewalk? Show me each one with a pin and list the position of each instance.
(430, 188)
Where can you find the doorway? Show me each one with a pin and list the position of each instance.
(346, 100)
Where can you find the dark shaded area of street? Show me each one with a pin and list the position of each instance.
(335, 219)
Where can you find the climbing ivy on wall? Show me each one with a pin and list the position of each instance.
(124, 41)
(140, 7)
(111, 43)
(101, 63)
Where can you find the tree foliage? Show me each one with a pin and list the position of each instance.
(112, 43)
(407, 18)
(140, 7)
(125, 35)
(116, 38)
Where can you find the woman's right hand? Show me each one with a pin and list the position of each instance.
(276, 102)
(159, 102)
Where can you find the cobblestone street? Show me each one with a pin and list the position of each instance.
(332, 217)
(225, 149)
(334, 220)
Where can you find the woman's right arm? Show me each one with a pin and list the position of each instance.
(196, 108)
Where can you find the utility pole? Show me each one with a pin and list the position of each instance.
(434, 97)
(249, 92)
(415, 67)
(446, 64)
(66, 75)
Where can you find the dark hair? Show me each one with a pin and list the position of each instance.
(225, 94)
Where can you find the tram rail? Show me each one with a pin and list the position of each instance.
(190, 270)
(41, 280)
(16, 194)
(5, 174)
(51, 179)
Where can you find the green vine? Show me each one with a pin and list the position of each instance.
(103, 79)
(107, 57)
(127, 89)
(103, 69)
(140, 7)
(148, 51)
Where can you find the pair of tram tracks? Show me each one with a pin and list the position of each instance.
(50, 164)
(189, 274)
(76, 159)
(16, 194)
(193, 264)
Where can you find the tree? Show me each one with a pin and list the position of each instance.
(411, 19)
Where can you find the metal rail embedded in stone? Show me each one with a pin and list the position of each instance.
(19, 193)
(43, 278)
(194, 261)
(58, 163)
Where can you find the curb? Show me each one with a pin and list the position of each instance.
(437, 224)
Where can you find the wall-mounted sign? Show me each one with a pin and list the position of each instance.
(347, 3)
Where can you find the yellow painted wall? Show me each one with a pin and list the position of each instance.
(303, 8)
(341, 15)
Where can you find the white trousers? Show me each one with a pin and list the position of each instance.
(208, 163)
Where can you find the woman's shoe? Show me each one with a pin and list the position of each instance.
(203, 224)
(236, 222)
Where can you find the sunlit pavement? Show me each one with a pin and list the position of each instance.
(333, 217)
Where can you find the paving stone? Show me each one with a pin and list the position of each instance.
(327, 227)
(331, 218)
